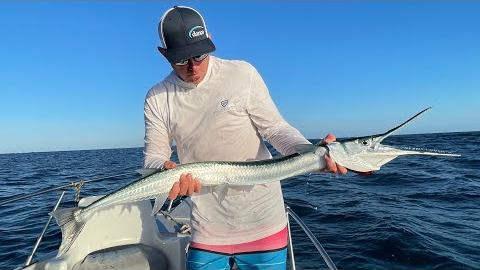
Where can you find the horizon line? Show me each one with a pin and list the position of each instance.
(133, 147)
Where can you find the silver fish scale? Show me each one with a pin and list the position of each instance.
(212, 173)
(252, 173)
(144, 189)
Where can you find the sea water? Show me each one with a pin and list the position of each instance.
(416, 212)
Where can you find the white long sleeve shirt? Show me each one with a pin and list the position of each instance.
(223, 118)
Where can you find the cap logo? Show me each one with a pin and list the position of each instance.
(196, 31)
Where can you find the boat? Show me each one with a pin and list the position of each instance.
(127, 236)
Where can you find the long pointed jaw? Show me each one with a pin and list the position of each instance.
(384, 154)
(366, 154)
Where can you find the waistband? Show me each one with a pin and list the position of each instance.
(272, 242)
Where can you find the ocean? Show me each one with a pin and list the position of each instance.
(418, 212)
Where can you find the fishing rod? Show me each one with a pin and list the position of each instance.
(72, 184)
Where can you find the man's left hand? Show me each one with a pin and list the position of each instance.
(331, 165)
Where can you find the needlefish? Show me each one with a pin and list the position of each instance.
(361, 154)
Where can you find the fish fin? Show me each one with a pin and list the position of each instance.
(159, 201)
(221, 191)
(70, 226)
(147, 172)
(397, 128)
(304, 148)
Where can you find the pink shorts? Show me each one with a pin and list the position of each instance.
(274, 241)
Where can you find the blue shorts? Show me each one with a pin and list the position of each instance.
(262, 260)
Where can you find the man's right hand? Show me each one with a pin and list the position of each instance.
(186, 185)
(169, 165)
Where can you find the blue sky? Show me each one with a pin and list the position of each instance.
(73, 75)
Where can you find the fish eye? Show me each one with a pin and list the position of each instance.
(365, 142)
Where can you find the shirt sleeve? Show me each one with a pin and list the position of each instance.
(266, 117)
(158, 139)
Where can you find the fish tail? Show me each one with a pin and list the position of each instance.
(71, 226)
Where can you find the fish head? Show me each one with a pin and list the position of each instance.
(367, 154)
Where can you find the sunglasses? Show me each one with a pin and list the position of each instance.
(197, 58)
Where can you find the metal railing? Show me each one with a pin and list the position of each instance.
(39, 240)
(72, 184)
(76, 185)
(312, 238)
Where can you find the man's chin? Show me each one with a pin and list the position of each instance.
(193, 79)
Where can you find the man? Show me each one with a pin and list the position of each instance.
(219, 110)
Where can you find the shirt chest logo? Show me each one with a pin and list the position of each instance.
(224, 106)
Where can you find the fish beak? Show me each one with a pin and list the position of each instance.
(373, 160)
(385, 151)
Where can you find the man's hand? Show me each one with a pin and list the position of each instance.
(169, 165)
(331, 165)
(186, 185)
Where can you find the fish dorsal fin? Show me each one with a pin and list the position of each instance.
(147, 172)
(304, 148)
(159, 201)
(221, 191)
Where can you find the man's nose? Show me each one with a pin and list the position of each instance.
(192, 64)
